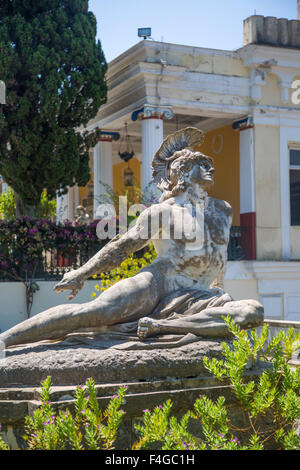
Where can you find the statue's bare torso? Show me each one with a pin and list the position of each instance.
(189, 265)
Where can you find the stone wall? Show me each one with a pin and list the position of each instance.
(17, 403)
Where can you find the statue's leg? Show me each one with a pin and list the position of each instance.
(125, 301)
(208, 322)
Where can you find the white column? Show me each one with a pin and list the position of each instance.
(76, 198)
(65, 209)
(61, 208)
(103, 172)
(247, 182)
(4, 187)
(247, 191)
(71, 208)
(152, 137)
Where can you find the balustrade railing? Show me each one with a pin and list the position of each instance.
(236, 247)
(275, 326)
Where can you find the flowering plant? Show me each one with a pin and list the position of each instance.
(24, 243)
(88, 428)
(128, 268)
(33, 249)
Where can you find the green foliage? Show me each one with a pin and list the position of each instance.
(128, 268)
(3, 445)
(275, 394)
(134, 195)
(87, 428)
(47, 208)
(54, 74)
(160, 429)
(7, 205)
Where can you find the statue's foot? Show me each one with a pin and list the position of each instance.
(147, 327)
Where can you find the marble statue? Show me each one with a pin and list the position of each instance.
(82, 216)
(182, 290)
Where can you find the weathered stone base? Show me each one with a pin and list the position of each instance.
(73, 364)
(16, 403)
(152, 377)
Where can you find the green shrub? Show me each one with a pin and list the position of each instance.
(128, 268)
(88, 428)
(276, 394)
(8, 206)
(3, 445)
(158, 427)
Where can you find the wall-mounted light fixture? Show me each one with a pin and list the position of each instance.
(127, 155)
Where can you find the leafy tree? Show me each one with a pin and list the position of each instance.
(8, 206)
(54, 73)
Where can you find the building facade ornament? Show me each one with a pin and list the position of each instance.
(150, 111)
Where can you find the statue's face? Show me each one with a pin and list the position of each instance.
(202, 173)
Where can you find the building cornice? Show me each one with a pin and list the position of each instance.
(255, 54)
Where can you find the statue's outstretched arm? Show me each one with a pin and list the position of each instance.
(109, 257)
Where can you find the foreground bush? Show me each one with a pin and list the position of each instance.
(275, 394)
(89, 427)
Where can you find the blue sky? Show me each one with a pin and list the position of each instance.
(205, 23)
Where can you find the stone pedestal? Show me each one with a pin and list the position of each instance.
(152, 377)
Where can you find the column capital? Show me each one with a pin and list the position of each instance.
(150, 111)
(108, 136)
(246, 123)
(105, 138)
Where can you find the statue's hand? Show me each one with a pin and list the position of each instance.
(70, 281)
(217, 291)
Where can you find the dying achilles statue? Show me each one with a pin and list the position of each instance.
(182, 290)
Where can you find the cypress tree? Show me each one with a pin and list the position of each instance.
(54, 71)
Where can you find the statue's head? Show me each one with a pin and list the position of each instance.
(177, 166)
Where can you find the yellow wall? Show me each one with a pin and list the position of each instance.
(118, 175)
(270, 92)
(223, 145)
